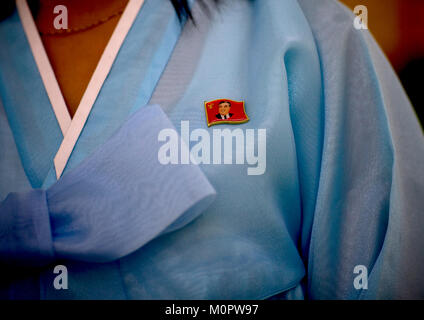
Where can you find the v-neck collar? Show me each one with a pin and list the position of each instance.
(71, 129)
(129, 85)
(29, 113)
(44, 67)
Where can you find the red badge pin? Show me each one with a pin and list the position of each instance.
(225, 111)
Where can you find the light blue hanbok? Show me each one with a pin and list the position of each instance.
(344, 179)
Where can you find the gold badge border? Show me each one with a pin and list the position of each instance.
(227, 122)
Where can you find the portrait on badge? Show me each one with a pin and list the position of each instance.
(225, 111)
(206, 149)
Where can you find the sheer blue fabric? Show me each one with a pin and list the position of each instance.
(116, 201)
(370, 200)
(344, 177)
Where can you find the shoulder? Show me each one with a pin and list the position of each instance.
(331, 21)
(333, 9)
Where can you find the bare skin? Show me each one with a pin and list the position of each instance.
(74, 54)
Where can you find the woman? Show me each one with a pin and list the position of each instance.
(114, 193)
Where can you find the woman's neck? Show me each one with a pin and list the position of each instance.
(75, 52)
(81, 13)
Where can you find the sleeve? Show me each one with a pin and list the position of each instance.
(369, 208)
(113, 203)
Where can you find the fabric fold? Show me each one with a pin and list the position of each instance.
(113, 203)
(369, 199)
(25, 234)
